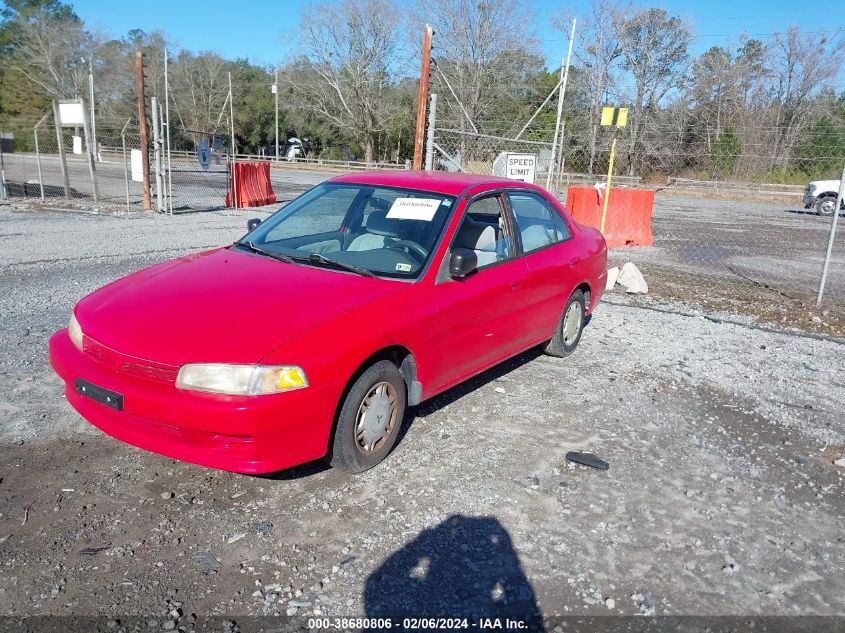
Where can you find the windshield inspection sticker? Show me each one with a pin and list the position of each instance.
(413, 209)
(405, 268)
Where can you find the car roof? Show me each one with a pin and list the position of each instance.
(435, 181)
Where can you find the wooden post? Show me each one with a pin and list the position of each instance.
(60, 138)
(609, 179)
(422, 98)
(142, 123)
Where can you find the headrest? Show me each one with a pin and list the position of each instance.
(476, 235)
(379, 224)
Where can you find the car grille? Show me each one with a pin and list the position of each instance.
(123, 363)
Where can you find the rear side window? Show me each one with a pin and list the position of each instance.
(539, 225)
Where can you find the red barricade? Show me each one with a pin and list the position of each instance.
(628, 221)
(253, 185)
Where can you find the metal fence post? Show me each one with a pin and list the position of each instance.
(157, 152)
(827, 255)
(167, 117)
(57, 118)
(92, 153)
(2, 173)
(429, 143)
(125, 167)
(38, 155)
(232, 129)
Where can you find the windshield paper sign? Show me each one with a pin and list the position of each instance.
(413, 209)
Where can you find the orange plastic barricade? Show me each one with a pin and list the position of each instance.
(253, 185)
(628, 221)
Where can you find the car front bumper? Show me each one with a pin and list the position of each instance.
(809, 200)
(245, 434)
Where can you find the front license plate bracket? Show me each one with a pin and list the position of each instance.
(99, 394)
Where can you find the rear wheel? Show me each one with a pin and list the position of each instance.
(369, 419)
(569, 328)
(825, 206)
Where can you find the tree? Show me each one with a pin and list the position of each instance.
(726, 152)
(254, 106)
(48, 46)
(655, 54)
(346, 71)
(822, 151)
(200, 86)
(487, 66)
(802, 64)
(597, 59)
(20, 97)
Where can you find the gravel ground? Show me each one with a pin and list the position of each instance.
(722, 495)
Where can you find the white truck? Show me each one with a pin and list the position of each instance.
(821, 194)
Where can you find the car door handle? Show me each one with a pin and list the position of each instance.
(516, 283)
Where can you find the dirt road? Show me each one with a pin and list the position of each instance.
(722, 495)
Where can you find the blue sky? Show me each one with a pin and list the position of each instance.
(255, 29)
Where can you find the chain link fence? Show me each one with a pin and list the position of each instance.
(34, 169)
(195, 176)
(726, 242)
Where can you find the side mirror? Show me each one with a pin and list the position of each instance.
(252, 224)
(462, 262)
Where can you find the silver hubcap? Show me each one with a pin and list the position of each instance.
(827, 206)
(376, 417)
(572, 323)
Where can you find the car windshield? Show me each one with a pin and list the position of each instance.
(386, 231)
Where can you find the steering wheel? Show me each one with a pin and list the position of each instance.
(412, 247)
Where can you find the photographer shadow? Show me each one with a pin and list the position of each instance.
(466, 567)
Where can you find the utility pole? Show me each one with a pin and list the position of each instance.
(276, 92)
(564, 75)
(142, 123)
(422, 97)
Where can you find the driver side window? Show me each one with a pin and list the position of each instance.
(484, 231)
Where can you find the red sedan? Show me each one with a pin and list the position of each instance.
(310, 336)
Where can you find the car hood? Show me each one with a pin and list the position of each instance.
(223, 306)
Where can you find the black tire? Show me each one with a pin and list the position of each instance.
(825, 205)
(347, 453)
(561, 344)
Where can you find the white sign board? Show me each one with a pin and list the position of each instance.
(413, 209)
(521, 167)
(77, 144)
(71, 113)
(136, 160)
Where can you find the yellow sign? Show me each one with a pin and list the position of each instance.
(617, 117)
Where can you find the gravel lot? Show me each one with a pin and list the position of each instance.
(722, 495)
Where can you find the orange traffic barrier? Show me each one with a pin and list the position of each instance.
(253, 185)
(628, 221)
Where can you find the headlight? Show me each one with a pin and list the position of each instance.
(241, 380)
(811, 188)
(75, 332)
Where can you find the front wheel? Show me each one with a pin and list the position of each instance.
(825, 206)
(369, 419)
(569, 328)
